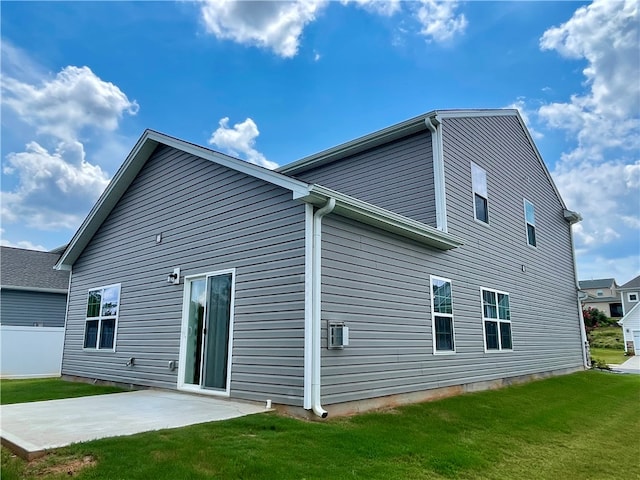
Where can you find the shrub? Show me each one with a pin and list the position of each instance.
(594, 318)
(599, 363)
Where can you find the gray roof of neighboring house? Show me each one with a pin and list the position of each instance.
(599, 283)
(31, 270)
(594, 299)
(633, 284)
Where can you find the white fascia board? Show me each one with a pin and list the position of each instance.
(358, 145)
(131, 167)
(384, 219)
(33, 289)
(506, 112)
(383, 136)
(256, 171)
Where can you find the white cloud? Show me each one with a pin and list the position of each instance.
(273, 25)
(26, 244)
(55, 188)
(526, 115)
(53, 185)
(439, 20)
(279, 25)
(600, 176)
(239, 140)
(63, 106)
(381, 7)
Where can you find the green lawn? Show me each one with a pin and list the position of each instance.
(607, 337)
(609, 355)
(580, 426)
(21, 391)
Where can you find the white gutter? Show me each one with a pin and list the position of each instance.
(438, 171)
(573, 218)
(316, 327)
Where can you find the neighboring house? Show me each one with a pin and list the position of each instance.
(630, 294)
(630, 324)
(602, 294)
(33, 300)
(404, 264)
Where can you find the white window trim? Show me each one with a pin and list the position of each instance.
(100, 318)
(183, 333)
(629, 297)
(498, 320)
(526, 223)
(474, 192)
(448, 315)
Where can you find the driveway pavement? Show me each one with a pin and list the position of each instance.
(31, 428)
(630, 366)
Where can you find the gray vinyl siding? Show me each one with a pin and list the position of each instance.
(211, 218)
(626, 304)
(22, 308)
(397, 176)
(378, 283)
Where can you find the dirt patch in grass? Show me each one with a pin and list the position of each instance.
(53, 464)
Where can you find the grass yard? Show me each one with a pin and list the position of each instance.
(580, 426)
(607, 337)
(609, 355)
(35, 390)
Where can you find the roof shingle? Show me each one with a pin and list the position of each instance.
(31, 269)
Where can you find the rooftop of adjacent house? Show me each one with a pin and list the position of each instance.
(598, 283)
(31, 270)
(632, 284)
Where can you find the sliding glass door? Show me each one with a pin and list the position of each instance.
(207, 331)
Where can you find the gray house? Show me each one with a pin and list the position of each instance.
(32, 293)
(630, 293)
(603, 294)
(33, 301)
(406, 264)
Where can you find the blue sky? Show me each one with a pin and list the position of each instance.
(273, 82)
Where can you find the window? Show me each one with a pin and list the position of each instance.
(600, 293)
(496, 317)
(632, 297)
(530, 219)
(616, 310)
(102, 316)
(480, 195)
(442, 315)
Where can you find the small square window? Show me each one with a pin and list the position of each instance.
(633, 297)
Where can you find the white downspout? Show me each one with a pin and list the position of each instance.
(438, 172)
(574, 218)
(316, 328)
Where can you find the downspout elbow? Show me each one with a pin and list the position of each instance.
(317, 306)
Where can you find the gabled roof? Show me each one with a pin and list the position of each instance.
(345, 205)
(404, 129)
(633, 284)
(598, 283)
(31, 270)
(631, 313)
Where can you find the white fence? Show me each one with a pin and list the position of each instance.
(30, 352)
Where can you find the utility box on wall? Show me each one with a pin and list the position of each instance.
(337, 335)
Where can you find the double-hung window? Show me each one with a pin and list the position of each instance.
(442, 315)
(102, 317)
(530, 220)
(480, 193)
(496, 317)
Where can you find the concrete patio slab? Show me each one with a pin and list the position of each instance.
(29, 429)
